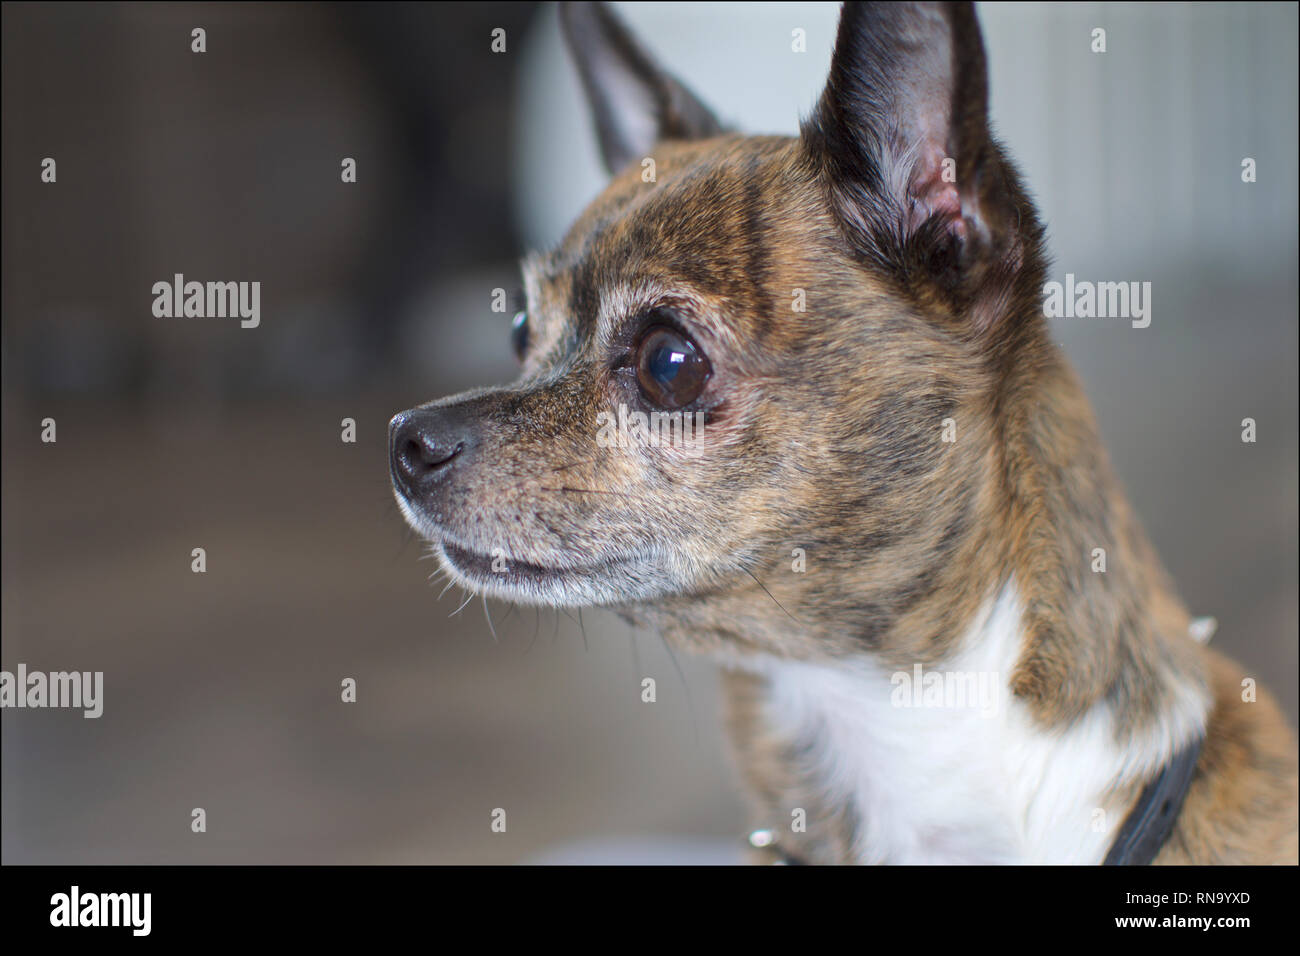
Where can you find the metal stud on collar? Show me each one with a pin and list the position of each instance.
(766, 840)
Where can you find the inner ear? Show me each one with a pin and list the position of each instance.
(901, 135)
(635, 104)
(932, 189)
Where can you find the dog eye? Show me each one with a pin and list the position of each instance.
(670, 368)
(519, 334)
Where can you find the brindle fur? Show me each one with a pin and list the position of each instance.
(824, 432)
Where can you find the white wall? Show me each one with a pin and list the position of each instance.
(1134, 155)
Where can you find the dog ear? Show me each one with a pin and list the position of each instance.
(901, 137)
(634, 102)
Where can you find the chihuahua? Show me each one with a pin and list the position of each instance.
(793, 402)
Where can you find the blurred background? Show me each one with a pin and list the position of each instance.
(222, 689)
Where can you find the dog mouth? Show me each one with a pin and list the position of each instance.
(600, 582)
(499, 568)
(620, 578)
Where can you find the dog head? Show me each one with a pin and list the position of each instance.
(809, 317)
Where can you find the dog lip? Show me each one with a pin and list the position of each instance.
(481, 565)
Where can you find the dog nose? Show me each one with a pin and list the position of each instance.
(423, 443)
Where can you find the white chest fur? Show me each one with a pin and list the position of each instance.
(943, 765)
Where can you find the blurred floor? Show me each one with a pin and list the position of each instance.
(222, 690)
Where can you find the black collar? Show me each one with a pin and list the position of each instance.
(1149, 823)
(1145, 829)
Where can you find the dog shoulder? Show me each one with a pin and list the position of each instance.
(1242, 805)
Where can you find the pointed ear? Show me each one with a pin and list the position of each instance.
(634, 102)
(901, 137)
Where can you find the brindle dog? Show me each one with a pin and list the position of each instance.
(896, 474)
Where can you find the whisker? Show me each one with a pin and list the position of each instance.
(587, 491)
(462, 607)
(690, 704)
(769, 594)
(537, 627)
(408, 533)
(575, 464)
(636, 655)
(488, 614)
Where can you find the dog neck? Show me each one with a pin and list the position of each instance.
(946, 765)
